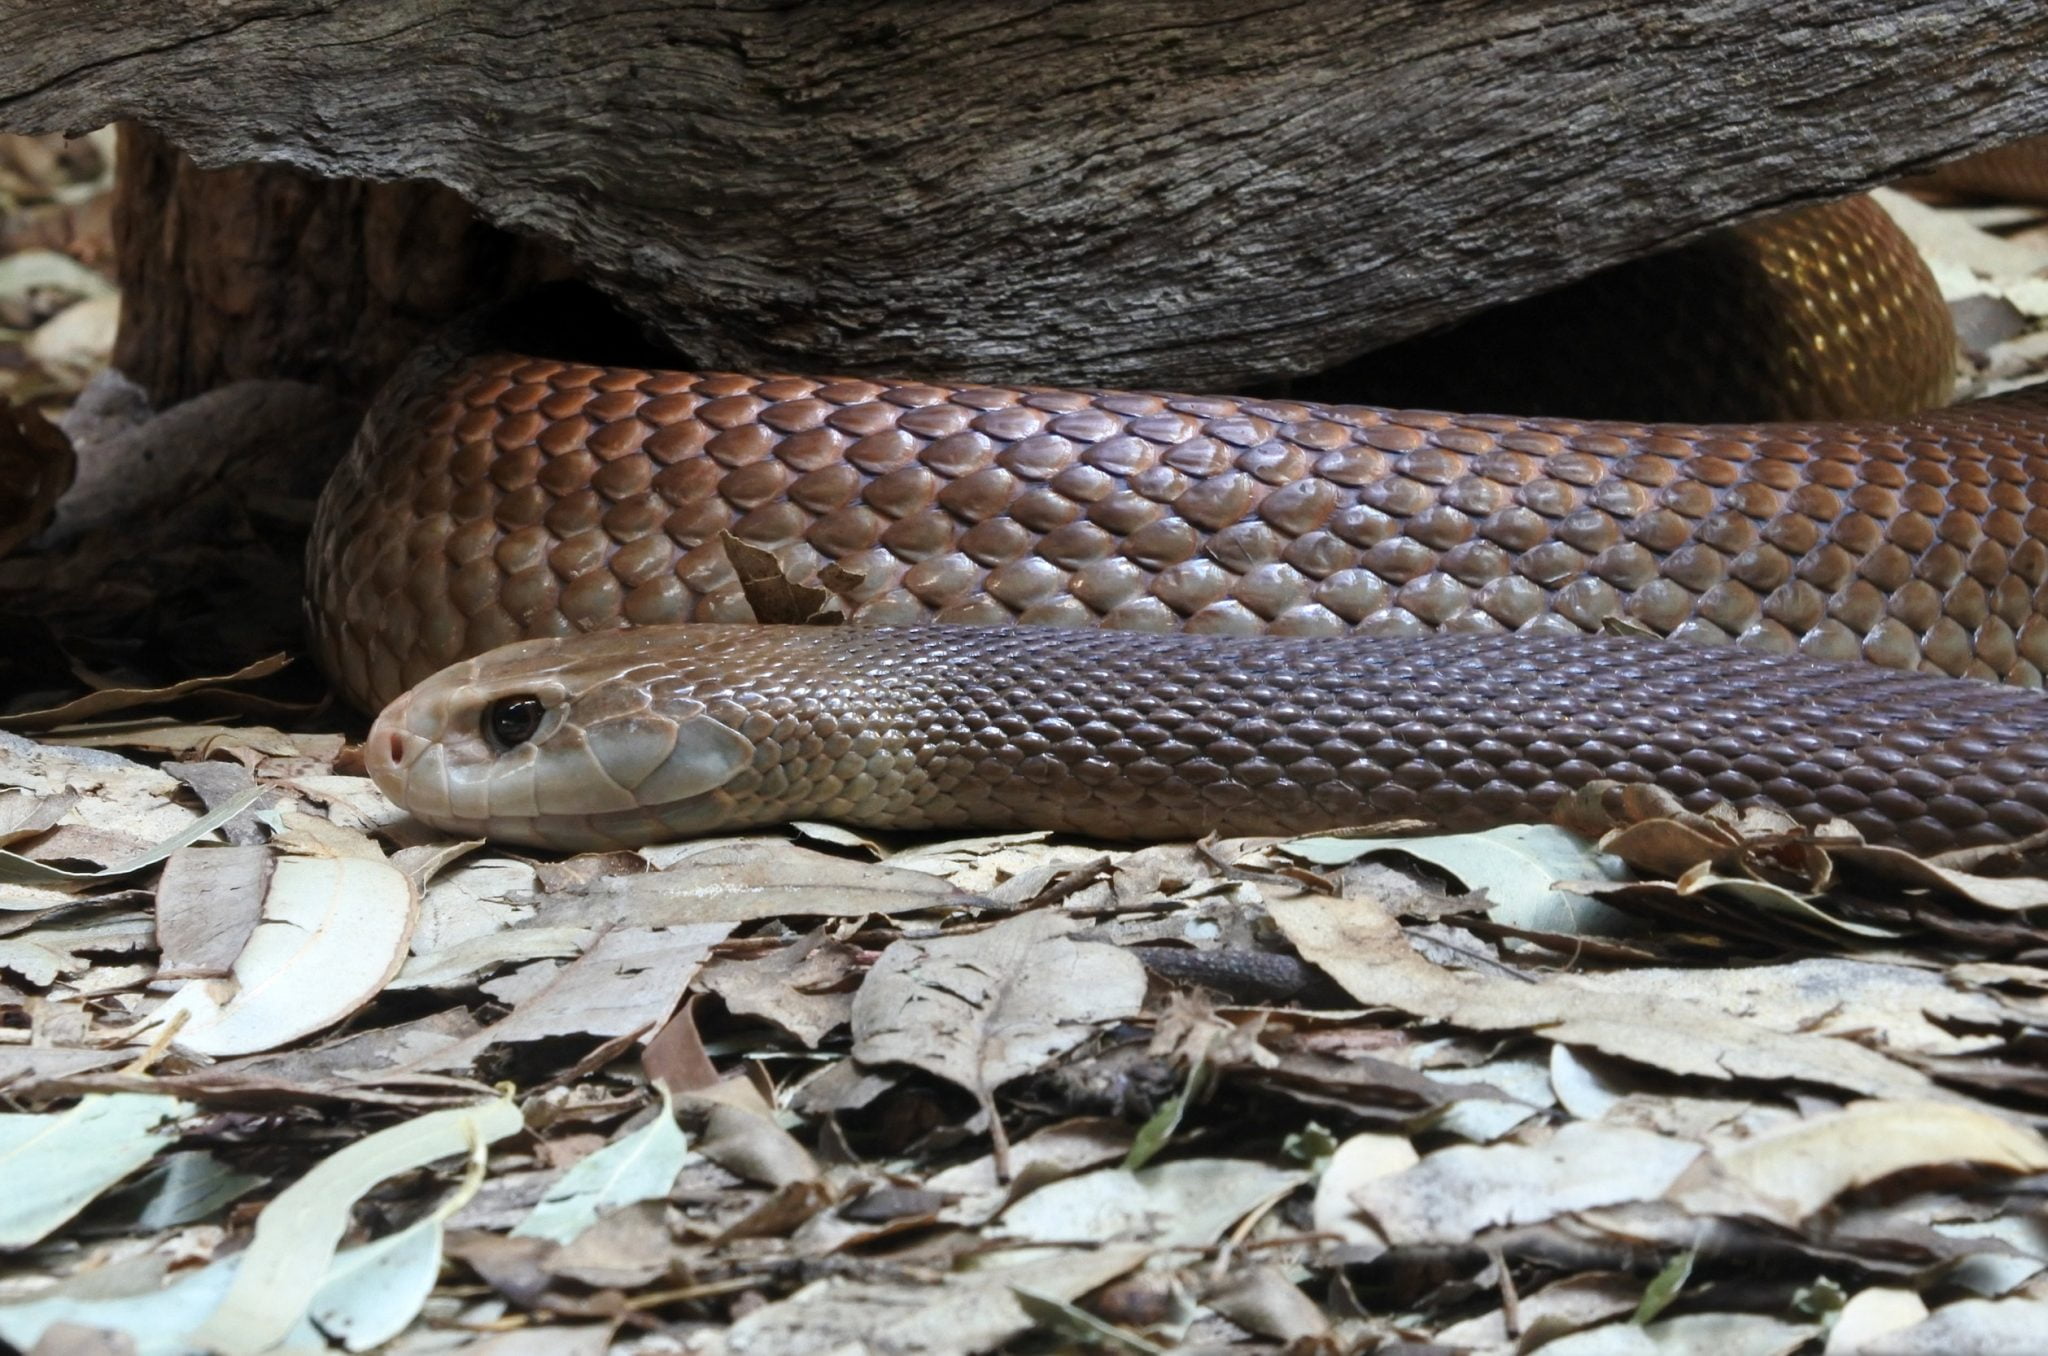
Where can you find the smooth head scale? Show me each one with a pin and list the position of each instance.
(544, 742)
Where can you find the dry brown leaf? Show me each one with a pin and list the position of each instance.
(775, 598)
(628, 982)
(1799, 1168)
(802, 988)
(979, 1009)
(1367, 953)
(741, 1136)
(1454, 1194)
(208, 902)
(1263, 1300)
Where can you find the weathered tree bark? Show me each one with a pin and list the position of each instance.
(267, 271)
(1198, 192)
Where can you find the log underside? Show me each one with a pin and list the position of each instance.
(1205, 194)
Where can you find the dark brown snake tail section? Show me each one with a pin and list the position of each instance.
(1127, 736)
(509, 497)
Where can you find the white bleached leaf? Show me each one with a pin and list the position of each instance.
(289, 1257)
(1803, 1166)
(156, 1321)
(1968, 1328)
(1455, 1194)
(56, 1163)
(1517, 865)
(1869, 1315)
(373, 1292)
(640, 1167)
(334, 930)
(1185, 1203)
(1358, 1160)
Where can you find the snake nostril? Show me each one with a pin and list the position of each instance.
(394, 749)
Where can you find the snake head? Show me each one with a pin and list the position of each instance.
(553, 744)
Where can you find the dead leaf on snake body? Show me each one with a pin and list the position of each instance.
(775, 598)
(982, 1008)
(2005, 894)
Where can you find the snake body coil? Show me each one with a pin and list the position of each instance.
(497, 497)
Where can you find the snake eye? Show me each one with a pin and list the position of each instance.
(511, 721)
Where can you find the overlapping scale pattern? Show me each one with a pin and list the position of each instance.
(509, 496)
(1127, 736)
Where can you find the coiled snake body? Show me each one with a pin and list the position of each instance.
(500, 497)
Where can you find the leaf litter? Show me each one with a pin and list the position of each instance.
(287, 1072)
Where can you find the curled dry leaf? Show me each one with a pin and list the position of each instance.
(1800, 1168)
(744, 881)
(111, 699)
(2003, 893)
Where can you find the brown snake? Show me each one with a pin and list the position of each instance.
(499, 497)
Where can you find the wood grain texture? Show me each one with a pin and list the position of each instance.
(265, 271)
(1203, 193)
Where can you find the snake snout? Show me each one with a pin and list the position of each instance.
(390, 750)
